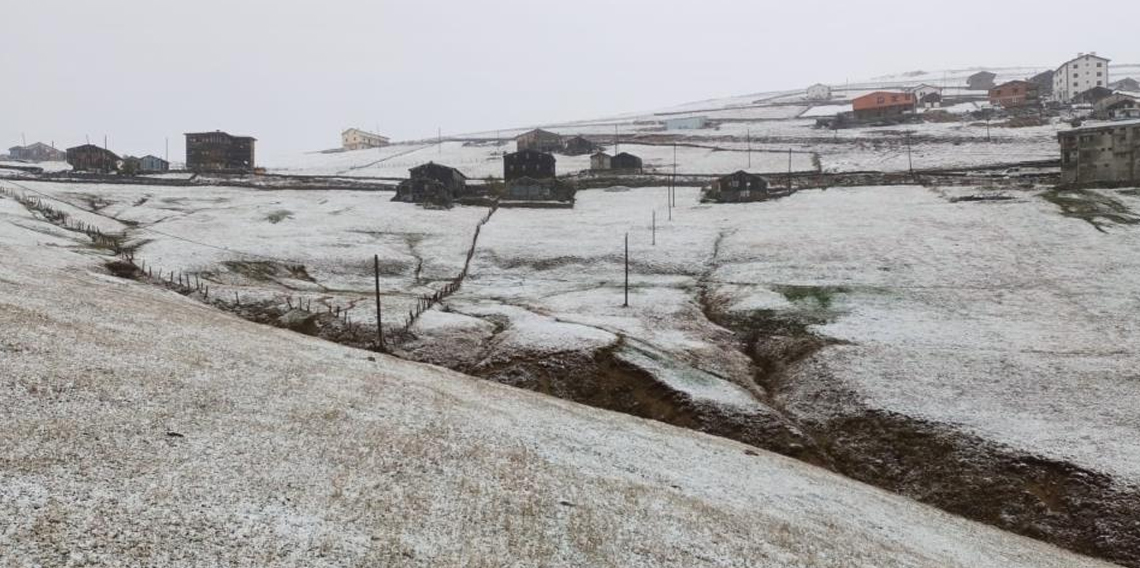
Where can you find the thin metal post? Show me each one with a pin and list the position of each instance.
(626, 304)
(379, 314)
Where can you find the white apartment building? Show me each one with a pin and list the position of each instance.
(357, 139)
(1078, 75)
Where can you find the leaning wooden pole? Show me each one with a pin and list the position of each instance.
(379, 313)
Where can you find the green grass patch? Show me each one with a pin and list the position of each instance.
(1096, 209)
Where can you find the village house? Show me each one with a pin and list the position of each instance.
(357, 139)
(1127, 84)
(600, 161)
(1114, 106)
(432, 183)
(626, 163)
(219, 152)
(579, 146)
(91, 158)
(153, 164)
(882, 105)
(1014, 94)
(38, 152)
(1092, 96)
(1108, 154)
(926, 96)
(740, 187)
(686, 123)
(981, 81)
(819, 92)
(539, 140)
(528, 163)
(1086, 71)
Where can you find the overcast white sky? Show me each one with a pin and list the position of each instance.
(295, 73)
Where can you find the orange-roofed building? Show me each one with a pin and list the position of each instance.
(883, 104)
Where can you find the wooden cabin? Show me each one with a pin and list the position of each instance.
(219, 152)
(528, 163)
(92, 158)
(432, 183)
(539, 140)
(626, 163)
(741, 187)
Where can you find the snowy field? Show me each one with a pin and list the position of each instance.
(143, 428)
(981, 315)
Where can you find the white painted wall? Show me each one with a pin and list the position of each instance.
(1079, 75)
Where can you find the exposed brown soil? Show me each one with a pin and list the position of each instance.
(1049, 500)
(603, 380)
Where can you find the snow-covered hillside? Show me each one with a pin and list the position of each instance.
(144, 428)
(774, 121)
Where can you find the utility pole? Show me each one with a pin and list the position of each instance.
(167, 157)
(104, 141)
(379, 314)
(617, 142)
(909, 158)
(626, 304)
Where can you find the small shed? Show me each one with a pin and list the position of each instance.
(626, 162)
(686, 123)
(600, 161)
(91, 158)
(528, 163)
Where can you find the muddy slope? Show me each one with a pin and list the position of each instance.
(1057, 502)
